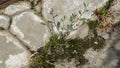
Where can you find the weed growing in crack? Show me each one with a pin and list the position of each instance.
(103, 12)
(60, 48)
(56, 27)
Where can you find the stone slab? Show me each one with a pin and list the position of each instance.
(17, 7)
(27, 27)
(67, 7)
(12, 55)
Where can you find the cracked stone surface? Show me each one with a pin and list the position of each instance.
(26, 31)
(9, 48)
(27, 27)
(67, 7)
(37, 4)
(4, 21)
(17, 7)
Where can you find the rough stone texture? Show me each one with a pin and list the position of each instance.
(115, 43)
(67, 7)
(9, 49)
(65, 64)
(81, 32)
(101, 59)
(115, 10)
(27, 27)
(17, 7)
(38, 7)
(109, 56)
(4, 21)
(20, 60)
(105, 35)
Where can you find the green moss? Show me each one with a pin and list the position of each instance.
(60, 49)
(93, 24)
(41, 60)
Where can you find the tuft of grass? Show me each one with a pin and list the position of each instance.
(60, 49)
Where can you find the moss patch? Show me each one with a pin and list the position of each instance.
(93, 24)
(60, 49)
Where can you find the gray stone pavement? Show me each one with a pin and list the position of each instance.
(21, 31)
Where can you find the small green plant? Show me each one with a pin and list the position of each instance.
(102, 23)
(62, 31)
(103, 12)
(93, 24)
(60, 48)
